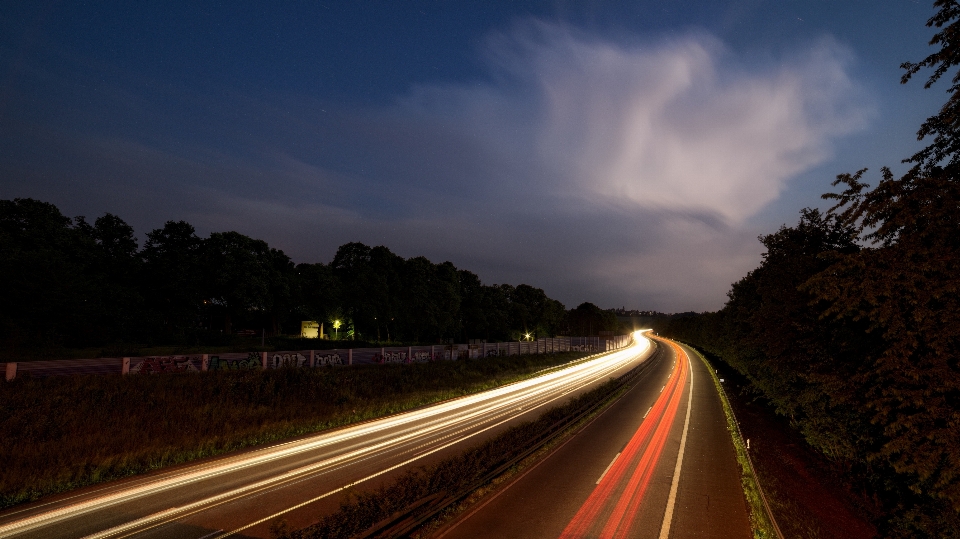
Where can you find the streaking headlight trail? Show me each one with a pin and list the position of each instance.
(393, 441)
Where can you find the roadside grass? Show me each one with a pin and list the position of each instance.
(811, 496)
(61, 433)
(761, 522)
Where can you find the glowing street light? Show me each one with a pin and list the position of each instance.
(336, 329)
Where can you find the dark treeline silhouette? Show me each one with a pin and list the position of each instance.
(851, 324)
(71, 283)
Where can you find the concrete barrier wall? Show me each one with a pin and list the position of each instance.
(308, 358)
(57, 367)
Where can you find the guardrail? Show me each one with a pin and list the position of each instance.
(307, 358)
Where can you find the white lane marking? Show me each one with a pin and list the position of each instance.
(607, 469)
(661, 389)
(211, 534)
(672, 498)
(647, 412)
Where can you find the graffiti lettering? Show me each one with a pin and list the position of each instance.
(165, 364)
(252, 362)
(390, 357)
(422, 357)
(288, 360)
(329, 359)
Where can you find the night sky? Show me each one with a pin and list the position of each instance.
(627, 154)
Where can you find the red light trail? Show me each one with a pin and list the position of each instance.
(610, 510)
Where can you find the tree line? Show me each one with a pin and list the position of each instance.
(850, 326)
(68, 282)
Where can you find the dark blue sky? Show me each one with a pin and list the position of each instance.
(625, 153)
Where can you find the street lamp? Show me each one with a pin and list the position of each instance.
(336, 328)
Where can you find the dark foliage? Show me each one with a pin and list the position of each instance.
(945, 126)
(588, 319)
(67, 283)
(857, 346)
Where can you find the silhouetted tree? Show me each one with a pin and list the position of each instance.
(588, 319)
(70, 282)
(172, 276)
(44, 274)
(319, 295)
(945, 126)
(242, 275)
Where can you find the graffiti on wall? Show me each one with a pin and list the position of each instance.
(329, 359)
(294, 360)
(422, 357)
(255, 361)
(252, 361)
(390, 357)
(163, 364)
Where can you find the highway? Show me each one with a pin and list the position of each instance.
(659, 463)
(240, 495)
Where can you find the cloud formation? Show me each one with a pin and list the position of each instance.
(614, 171)
(644, 161)
(676, 124)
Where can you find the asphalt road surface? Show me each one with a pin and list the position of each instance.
(240, 495)
(659, 463)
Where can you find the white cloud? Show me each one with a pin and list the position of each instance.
(676, 124)
(619, 173)
(678, 140)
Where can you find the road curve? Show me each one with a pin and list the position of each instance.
(240, 495)
(658, 463)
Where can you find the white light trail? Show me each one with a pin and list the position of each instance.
(371, 437)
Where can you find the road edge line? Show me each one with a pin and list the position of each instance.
(749, 477)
